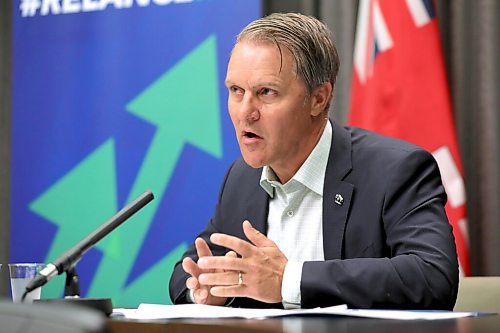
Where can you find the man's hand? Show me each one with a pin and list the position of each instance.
(261, 267)
(201, 292)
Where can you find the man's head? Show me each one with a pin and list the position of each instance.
(308, 39)
(280, 79)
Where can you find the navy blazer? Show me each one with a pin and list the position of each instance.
(387, 244)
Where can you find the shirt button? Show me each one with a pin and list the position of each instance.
(289, 213)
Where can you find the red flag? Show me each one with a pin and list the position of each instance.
(399, 89)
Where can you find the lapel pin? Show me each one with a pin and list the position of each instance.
(339, 200)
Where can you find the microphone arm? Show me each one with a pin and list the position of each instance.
(70, 257)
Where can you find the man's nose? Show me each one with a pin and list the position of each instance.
(249, 110)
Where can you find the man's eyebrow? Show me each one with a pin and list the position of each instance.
(268, 84)
(273, 84)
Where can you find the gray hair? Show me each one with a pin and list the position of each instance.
(308, 40)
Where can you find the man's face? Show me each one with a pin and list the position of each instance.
(269, 107)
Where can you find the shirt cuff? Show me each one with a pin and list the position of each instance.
(190, 296)
(290, 287)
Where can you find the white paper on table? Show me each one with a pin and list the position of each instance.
(407, 314)
(159, 311)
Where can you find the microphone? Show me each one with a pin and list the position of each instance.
(71, 257)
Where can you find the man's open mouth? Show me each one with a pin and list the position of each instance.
(250, 135)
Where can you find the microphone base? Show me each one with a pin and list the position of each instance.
(104, 305)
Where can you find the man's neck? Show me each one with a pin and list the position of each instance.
(287, 171)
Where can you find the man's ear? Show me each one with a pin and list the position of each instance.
(320, 98)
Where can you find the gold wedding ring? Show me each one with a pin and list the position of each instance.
(240, 279)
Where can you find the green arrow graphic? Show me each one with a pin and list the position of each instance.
(78, 203)
(183, 104)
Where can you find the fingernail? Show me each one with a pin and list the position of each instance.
(202, 261)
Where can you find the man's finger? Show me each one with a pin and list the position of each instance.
(200, 296)
(224, 263)
(255, 236)
(227, 278)
(190, 267)
(245, 249)
(202, 247)
(229, 291)
(192, 283)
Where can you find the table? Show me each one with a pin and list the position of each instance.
(480, 324)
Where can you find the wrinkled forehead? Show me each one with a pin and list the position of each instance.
(284, 57)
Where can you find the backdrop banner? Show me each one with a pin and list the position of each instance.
(111, 98)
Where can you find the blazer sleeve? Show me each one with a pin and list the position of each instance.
(177, 284)
(420, 268)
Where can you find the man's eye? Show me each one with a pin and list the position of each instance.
(267, 91)
(236, 90)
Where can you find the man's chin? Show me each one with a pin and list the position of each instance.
(253, 162)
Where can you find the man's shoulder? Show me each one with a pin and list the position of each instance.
(383, 154)
(371, 143)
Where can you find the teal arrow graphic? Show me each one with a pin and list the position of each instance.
(183, 105)
(78, 203)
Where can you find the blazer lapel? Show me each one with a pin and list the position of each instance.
(258, 206)
(337, 193)
(335, 210)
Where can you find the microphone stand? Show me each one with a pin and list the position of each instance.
(66, 262)
(72, 284)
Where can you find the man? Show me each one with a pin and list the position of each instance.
(315, 214)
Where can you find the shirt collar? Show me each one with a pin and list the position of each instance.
(312, 172)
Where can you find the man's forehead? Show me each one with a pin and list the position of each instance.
(265, 57)
(279, 51)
